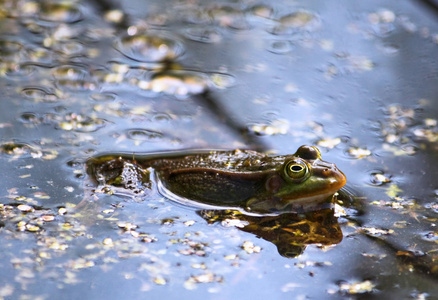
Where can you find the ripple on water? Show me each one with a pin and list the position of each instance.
(280, 47)
(144, 135)
(29, 118)
(70, 77)
(9, 47)
(150, 47)
(66, 12)
(378, 177)
(203, 35)
(298, 20)
(39, 94)
(103, 97)
(228, 16)
(19, 150)
(77, 122)
(177, 82)
(17, 70)
(262, 11)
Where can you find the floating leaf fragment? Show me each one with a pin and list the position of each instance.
(329, 143)
(359, 153)
(249, 247)
(357, 287)
(159, 280)
(376, 231)
(393, 191)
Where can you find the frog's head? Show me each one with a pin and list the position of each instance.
(304, 180)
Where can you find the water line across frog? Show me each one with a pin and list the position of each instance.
(242, 179)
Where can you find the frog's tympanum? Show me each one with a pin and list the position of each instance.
(241, 179)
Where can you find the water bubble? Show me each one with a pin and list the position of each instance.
(29, 118)
(262, 11)
(280, 47)
(161, 117)
(12, 69)
(40, 55)
(299, 20)
(431, 236)
(103, 97)
(193, 14)
(149, 48)
(144, 135)
(222, 81)
(9, 47)
(379, 177)
(19, 150)
(178, 83)
(358, 153)
(229, 17)
(410, 149)
(77, 122)
(66, 12)
(39, 94)
(279, 126)
(432, 206)
(69, 72)
(72, 77)
(203, 35)
(389, 49)
(70, 48)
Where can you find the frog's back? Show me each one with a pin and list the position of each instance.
(236, 161)
(217, 177)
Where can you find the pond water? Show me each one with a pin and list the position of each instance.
(84, 78)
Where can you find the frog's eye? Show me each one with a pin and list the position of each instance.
(308, 152)
(296, 170)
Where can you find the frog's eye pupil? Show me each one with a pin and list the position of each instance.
(296, 168)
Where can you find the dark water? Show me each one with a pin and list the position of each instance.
(357, 79)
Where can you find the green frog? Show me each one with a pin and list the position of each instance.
(243, 179)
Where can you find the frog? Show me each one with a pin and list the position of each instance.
(246, 180)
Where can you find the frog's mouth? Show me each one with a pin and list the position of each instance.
(309, 200)
(278, 206)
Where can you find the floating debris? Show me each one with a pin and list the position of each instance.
(176, 82)
(376, 231)
(60, 11)
(227, 16)
(366, 286)
(159, 280)
(150, 47)
(144, 135)
(209, 277)
(250, 248)
(203, 35)
(329, 143)
(379, 178)
(78, 122)
(358, 153)
(20, 150)
(40, 94)
(280, 126)
(262, 11)
(299, 20)
(280, 47)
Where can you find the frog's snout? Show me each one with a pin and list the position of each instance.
(338, 178)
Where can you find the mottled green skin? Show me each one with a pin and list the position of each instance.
(241, 178)
(249, 179)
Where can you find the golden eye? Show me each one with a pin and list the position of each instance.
(296, 170)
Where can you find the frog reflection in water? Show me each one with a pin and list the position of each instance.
(242, 179)
(291, 233)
